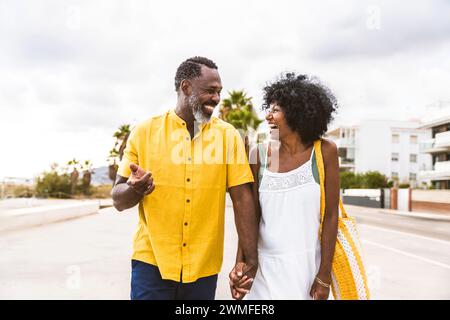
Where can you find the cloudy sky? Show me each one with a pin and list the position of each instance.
(73, 71)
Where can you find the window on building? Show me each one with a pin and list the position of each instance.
(342, 152)
(413, 139)
(395, 138)
(412, 177)
(440, 157)
(394, 156)
(394, 175)
(413, 158)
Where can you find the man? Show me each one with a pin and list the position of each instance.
(177, 167)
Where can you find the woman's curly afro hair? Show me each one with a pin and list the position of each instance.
(307, 104)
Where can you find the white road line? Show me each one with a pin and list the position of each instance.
(404, 233)
(406, 254)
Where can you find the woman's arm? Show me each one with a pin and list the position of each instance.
(330, 222)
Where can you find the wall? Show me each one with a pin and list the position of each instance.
(363, 197)
(373, 147)
(431, 201)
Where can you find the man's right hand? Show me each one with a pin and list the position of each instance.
(140, 180)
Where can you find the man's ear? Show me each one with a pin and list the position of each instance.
(186, 87)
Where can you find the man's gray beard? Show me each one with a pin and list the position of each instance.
(197, 112)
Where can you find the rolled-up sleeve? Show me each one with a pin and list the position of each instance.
(130, 155)
(238, 169)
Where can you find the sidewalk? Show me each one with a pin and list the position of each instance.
(420, 215)
(16, 214)
(411, 214)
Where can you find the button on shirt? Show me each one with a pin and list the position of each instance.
(181, 223)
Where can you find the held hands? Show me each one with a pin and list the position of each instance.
(241, 280)
(140, 180)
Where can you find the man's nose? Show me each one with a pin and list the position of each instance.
(268, 116)
(216, 98)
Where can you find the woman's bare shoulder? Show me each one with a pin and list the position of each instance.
(329, 148)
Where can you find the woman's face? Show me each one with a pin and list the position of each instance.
(277, 122)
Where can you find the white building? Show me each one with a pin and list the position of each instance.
(389, 147)
(438, 147)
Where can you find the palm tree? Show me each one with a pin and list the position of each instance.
(86, 167)
(238, 110)
(121, 136)
(73, 167)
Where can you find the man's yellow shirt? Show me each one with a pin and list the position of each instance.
(181, 223)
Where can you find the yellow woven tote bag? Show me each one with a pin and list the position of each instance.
(348, 275)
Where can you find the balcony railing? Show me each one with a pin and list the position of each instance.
(346, 162)
(441, 171)
(345, 142)
(442, 140)
(440, 143)
(443, 166)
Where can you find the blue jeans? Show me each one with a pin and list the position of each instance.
(147, 284)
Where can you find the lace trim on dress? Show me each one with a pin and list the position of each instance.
(299, 176)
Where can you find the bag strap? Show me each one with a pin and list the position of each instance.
(321, 169)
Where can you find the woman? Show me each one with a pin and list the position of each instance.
(294, 260)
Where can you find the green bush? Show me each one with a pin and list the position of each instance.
(22, 191)
(52, 184)
(16, 191)
(350, 180)
(403, 185)
(102, 191)
(375, 180)
(368, 180)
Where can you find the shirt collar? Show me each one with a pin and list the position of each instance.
(175, 117)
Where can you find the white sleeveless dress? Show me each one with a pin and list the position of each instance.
(289, 243)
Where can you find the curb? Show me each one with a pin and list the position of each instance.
(32, 217)
(419, 215)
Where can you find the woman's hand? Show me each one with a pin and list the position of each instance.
(319, 289)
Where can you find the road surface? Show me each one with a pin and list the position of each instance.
(89, 257)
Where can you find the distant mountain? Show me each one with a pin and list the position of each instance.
(101, 176)
(17, 181)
